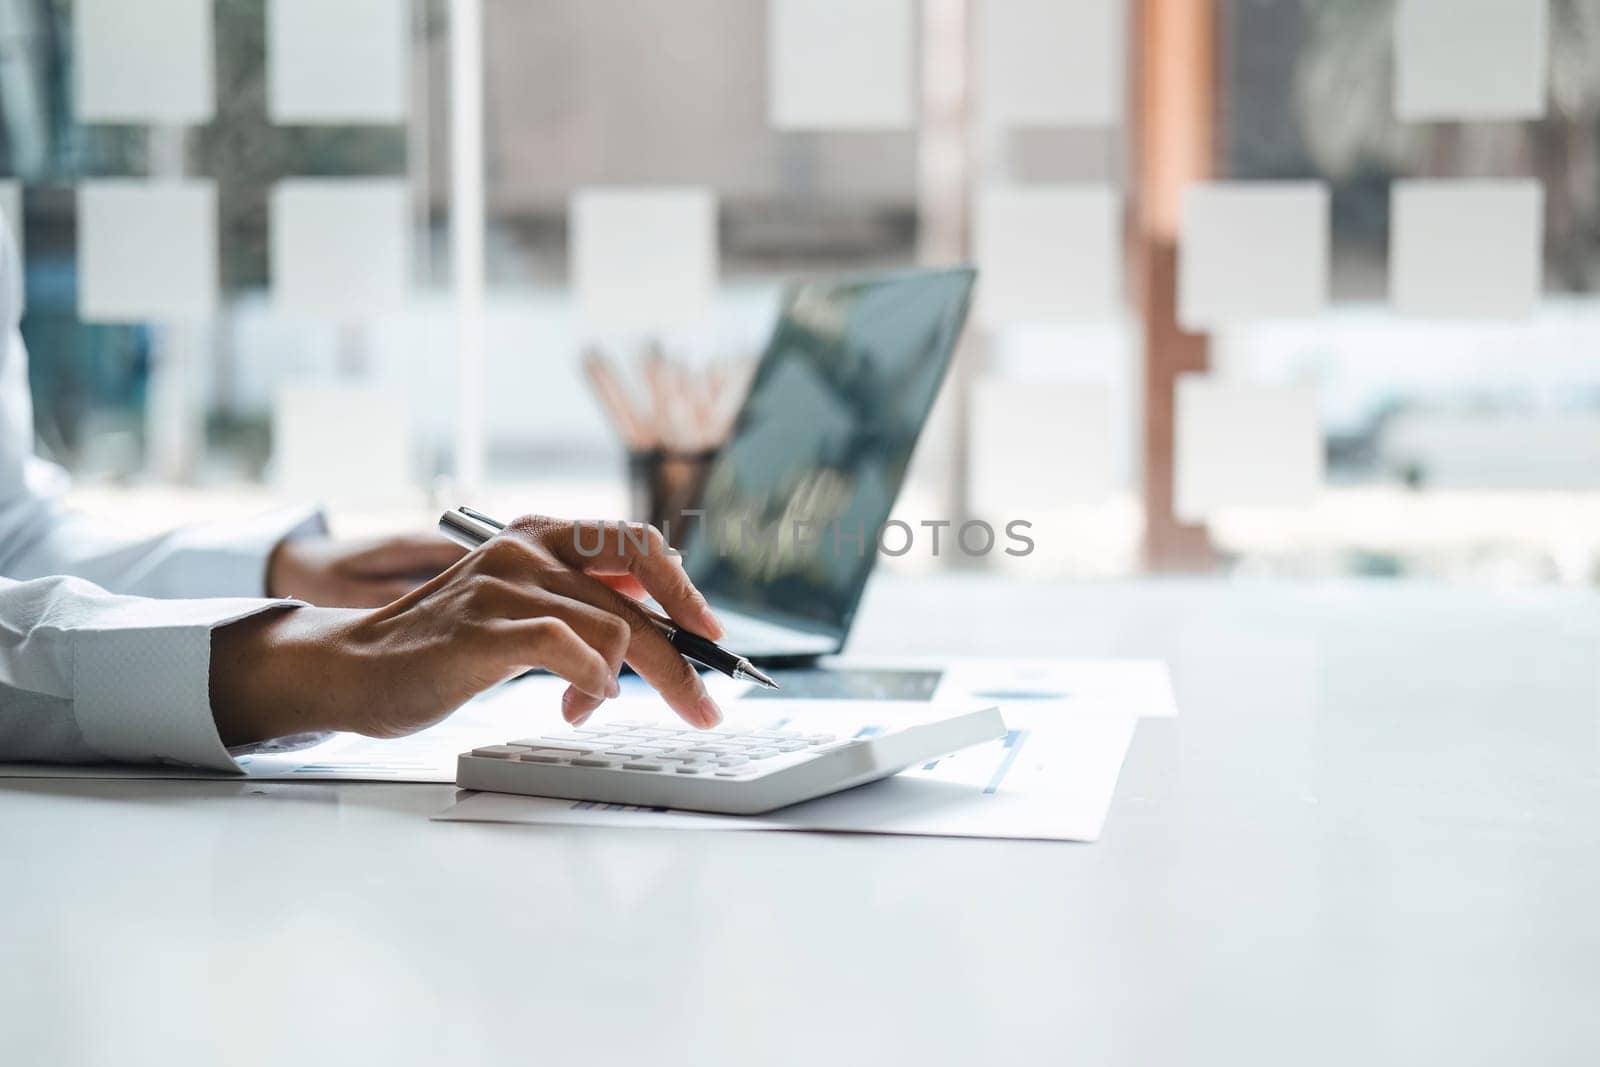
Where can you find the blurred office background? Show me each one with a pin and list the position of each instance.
(1270, 286)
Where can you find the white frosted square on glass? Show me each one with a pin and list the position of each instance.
(1052, 62)
(1471, 59)
(338, 61)
(1049, 253)
(342, 440)
(1252, 250)
(841, 64)
(11, 211)
(147, 250)
(643, 259)
(143, 61)
(1037, 446)
(1244, 445)
(1466, 249)
(341, 247)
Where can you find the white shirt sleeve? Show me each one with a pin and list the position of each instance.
(86, 675)
(89, 677)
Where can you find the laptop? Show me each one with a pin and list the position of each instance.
(796, 501)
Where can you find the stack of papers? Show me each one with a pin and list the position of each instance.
(1052, 776)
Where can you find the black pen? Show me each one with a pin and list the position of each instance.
(469, 529)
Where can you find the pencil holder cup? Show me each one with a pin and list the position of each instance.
(664, 484)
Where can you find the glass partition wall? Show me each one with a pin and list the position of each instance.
(1268, 286)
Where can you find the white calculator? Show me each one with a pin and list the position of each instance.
(735, 771)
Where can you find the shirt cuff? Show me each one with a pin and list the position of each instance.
(142, 680)
(230, 558)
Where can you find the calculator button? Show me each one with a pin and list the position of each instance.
(626, 752)
(644, 765)
(593, 761)
(543, 757)
(499, 751)
(692, 768)
(791, 746)
(819, 739)
(731, 761)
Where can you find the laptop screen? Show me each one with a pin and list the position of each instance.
(796, 501)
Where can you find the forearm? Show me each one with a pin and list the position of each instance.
(284, 672)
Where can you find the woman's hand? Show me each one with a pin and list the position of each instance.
(528, 598)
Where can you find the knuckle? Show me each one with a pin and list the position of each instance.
(539, 529)
(615, 633)
(684, 676)
(505, 551)
(678, 673)
(649, 536)
(525, 553)
(548, 632)
(635, 622)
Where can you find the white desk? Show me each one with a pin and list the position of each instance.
(1372, 836)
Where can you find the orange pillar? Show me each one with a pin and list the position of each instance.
(1175, 97)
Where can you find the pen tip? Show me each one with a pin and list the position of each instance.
(760, 678)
